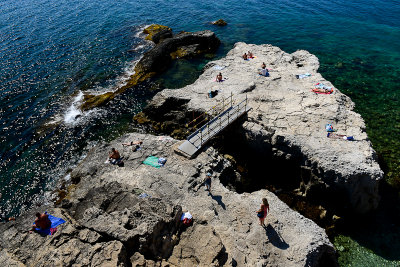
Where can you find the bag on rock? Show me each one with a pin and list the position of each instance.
(260, 214)
(329, 128)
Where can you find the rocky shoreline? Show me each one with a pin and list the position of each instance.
(110, 222)
(287, 122)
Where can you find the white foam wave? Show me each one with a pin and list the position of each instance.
(73, 114)
(73, 111)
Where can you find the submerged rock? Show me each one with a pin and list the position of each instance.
(220, 22)
(157, 33)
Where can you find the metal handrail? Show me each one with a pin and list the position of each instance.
(211, 110)
(236, 109)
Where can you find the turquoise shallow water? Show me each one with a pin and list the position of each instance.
(50, 51)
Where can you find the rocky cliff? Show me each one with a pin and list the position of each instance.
(110, 223)
(287, 122)
(130, 215)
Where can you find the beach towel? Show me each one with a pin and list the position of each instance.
(152, 161)
(155, 162)
(218, 67)
(144, 195)
(302, 76)
(55, 221)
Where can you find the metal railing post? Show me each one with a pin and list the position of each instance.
(208, 130)
(231, 99)
(201, 137)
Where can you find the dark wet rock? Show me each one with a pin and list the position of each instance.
(157, 33)
(220, 22)
(157, 59)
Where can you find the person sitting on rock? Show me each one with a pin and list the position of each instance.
(263, 66)
(135, 145)
(250, 55)
(264, 71)
(219, 77)
(207, 182)
(114, 157)
(42, 221)
(244, 56)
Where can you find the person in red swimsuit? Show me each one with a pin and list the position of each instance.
(264, 209)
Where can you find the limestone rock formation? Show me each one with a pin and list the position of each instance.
(104, 225)
(287, 121)
(110, 222)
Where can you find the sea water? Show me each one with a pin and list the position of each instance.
(53, 51)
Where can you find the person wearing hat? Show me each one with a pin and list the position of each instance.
(207, 182)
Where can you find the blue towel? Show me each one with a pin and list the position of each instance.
(55, 221)
(302, 76)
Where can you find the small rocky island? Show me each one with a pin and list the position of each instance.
(130, 215)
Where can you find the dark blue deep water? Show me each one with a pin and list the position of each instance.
(51, 51)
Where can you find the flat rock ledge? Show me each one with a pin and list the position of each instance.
(287, 120)
(109, 224)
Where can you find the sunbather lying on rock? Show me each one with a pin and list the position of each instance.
(135, 145)
(340, 136)
(322, 90)
(114, 157)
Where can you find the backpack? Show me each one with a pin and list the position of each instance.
(187, 221)
(329, 127)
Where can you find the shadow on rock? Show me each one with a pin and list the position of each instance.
(219, 201)
(275, 238)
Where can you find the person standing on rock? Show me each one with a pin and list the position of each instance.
(263, 211)
(207, 182)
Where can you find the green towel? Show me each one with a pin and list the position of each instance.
(152, 161)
